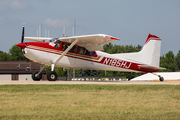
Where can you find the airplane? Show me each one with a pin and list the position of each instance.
(83, 52)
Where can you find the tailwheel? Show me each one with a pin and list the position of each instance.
(52, 76)
(36, 77)
(161, 78)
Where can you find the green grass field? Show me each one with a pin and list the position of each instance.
(97, 102)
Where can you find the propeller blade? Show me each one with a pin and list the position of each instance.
(22, 39)
(21, 46)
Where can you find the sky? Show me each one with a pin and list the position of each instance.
(129, 20)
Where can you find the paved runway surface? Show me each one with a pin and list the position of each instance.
(92, 82)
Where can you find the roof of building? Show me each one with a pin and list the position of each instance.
(17, 65)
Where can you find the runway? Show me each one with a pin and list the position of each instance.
(92, 82)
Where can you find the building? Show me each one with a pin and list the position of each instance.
(19, 70)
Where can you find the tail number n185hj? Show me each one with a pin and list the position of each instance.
(117, 63)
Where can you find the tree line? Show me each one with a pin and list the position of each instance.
(168, 60)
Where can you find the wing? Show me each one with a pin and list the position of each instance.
(38, 39)
(91, 42)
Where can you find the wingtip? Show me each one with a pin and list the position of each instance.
(112, 38)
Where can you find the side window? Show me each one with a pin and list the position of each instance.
(83, 51)
(92, 53)
(73, 49)
(65, 46)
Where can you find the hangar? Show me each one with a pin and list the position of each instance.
(12, 70)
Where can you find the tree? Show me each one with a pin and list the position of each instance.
(4, 56)
(15, 53)
(178, 59)
(168, 61)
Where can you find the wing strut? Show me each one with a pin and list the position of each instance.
(63, 54)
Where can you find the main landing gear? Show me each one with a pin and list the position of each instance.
(36, 76)
(51, 76)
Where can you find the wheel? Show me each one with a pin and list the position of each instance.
(52, 76)
(161, 79)
(35, 77)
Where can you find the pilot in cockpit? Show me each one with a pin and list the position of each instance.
(58, 43)
(65, 46)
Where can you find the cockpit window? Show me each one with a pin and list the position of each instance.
(73, 49)
(52, 40)
(55, 42)
(66, 45)
(92, 53)
(58, 43)
(83, 50)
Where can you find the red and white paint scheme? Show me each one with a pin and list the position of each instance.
(84, 52)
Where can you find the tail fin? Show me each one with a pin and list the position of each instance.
(150, 54)
(151, 51)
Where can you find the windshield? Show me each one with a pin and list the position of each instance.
(52, 40)
(55, 42)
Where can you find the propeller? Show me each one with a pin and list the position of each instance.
(22, 38)
(21, 46)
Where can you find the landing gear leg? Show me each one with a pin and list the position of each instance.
(37, 76)
(160, 77)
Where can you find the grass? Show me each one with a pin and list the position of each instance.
(89, 102)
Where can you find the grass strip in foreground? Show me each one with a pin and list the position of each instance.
(89, 102)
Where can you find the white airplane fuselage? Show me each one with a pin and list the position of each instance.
(45, 54)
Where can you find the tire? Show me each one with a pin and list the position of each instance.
(52, 76)
(36, 78)
(161, 79)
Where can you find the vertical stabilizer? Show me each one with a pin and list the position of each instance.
(150, 54)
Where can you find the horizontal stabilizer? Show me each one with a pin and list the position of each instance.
(151, 67)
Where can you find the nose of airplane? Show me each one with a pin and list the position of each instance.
(21, 45)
